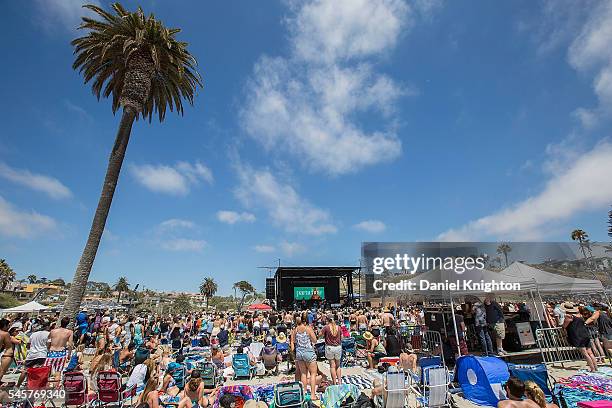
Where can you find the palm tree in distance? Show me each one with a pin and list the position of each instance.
(141, 64)
(208, 288)
(504, 248)
(32, 278)
(6, 274)
(122, 285)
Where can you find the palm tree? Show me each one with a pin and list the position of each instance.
(140, 62)
(6, 274)
(583, 241)
(106, 292)
(208, 288)
(122, 285)
(504, 248)
(32, 278)
(245, 288)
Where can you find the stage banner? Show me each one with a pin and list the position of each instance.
(309, 293)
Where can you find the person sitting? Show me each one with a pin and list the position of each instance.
(535, 393)
(270, 356)
(193, 392)
(149, 398)
(175, 375)
(515, 390)
(375, 349)
(123, 357)
(140, 374)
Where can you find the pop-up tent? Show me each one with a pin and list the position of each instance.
(29, 307)
(551, 282)
(481, 379)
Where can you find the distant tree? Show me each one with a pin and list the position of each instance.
(504, 249)
(6, 274)
(583, 241)
(208, 288)
(106, 292)
(58, 282)
(32, 278)
(42, 280)
(245, 288)
(122, 285)
(182, 304)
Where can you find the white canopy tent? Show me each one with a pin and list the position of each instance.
(29, 307)
(552, 282)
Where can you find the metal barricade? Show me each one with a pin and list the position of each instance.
(554, 347)
(431, 344)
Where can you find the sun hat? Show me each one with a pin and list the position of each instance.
(255, 404)
(569, 307)
(281, 338)
(368, 335)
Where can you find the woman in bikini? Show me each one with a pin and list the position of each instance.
(7, 345)
(193, 392)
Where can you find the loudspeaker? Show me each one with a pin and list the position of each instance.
(270, 288)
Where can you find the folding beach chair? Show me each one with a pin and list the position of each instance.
(255, 349)
(210, 375)
(289, 395)
(111, 390)
(340, 396)
(77, 390)
(395, 390)
(37, 380)
(435, 388)
(270, 360)
(242, 366)
(348, 351)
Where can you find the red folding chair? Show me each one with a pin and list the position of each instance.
(38, 380)
(111, 390)
(76, 389)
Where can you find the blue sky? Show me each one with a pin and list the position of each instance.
(320, 125)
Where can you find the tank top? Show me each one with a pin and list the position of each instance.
(302, 340)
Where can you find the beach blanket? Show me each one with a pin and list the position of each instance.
(573, 396)
(360, 381)
(264, 392)
(593, 382)
(244, 392)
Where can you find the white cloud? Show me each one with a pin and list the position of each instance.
(183, 245)
(22, 224)
(176, 223)
(291, 248)
(327, 31)
(175, 180)
(264, 248)
(64, 13)
(309, 102)
(590, 51)
(48, 185)
(284, 205)
(373, 226)
(584, 186)
(232, 217)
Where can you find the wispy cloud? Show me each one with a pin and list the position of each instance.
(176, 223)
(264, 248)
(39, 182)
(285, 207)
(183, 245)
(373, 226)
(232, 217)
(174, 180)
(584, 186)
(15, 223)
(308, 102)
(63, 14)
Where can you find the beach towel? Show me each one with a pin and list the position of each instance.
(360, 381)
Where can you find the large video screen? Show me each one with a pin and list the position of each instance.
(309, 293)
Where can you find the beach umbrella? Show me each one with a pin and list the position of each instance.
(259, 306)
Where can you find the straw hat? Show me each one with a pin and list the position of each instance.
(281, 338)
(255, 404)
(368, 336)
(569, 307)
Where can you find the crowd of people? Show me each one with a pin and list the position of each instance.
(150, 349)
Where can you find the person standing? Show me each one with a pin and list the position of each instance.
(333, 348)
(60, 346)
(495, 320)
(480, 324)
(37, 354)
(302, 341)
(578, 334)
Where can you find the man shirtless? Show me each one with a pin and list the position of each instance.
(60, 346)
(515, 389)
(387, 319)
(362, 322)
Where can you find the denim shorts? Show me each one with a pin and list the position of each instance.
(307, 356)
(333, 352)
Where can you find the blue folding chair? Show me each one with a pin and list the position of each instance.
(242, 366)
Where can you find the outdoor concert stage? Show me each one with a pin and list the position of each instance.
(313, 285)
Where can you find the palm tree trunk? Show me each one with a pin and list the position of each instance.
(81, 275)
(506, 256)
(119, 297)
